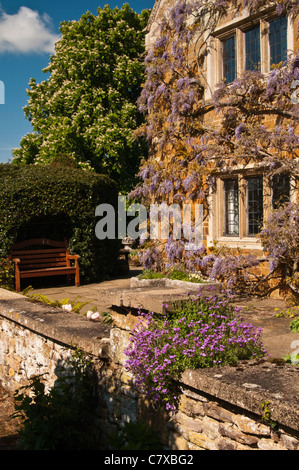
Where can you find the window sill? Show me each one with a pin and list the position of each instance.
(238, 242)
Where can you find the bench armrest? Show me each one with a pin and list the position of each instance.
(72, 256)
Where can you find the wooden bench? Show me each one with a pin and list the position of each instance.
(41, 257)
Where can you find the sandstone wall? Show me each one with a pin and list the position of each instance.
(220, 409)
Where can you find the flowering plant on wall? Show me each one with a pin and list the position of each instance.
(203, 332)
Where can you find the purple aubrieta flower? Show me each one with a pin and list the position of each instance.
(155, 352)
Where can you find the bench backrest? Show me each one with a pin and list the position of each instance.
(51, 253)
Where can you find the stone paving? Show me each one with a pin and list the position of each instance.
(277, 336)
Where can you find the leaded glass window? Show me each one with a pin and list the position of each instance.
(255, 206)
(231, 191)
(253, 49)
(278, 40)
(229, 59)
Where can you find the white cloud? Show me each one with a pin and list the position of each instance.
(26, 32)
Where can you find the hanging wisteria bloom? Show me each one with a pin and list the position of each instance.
(192, 138)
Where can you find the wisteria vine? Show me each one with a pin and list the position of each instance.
(186, 149)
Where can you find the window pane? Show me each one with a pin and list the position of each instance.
(255, 204)
(278, 40)
(231, 191)
(253, 55)
(229, 59)
(280, 190)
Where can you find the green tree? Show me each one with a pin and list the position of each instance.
(87, 108)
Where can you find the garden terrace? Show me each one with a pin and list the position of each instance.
(220, 408)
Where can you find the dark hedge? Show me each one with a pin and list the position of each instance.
(57, 202)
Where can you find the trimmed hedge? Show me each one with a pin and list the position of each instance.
(57, 202)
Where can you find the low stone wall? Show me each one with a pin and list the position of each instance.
(37, 339)
(220, 409)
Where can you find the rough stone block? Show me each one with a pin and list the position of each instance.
(250, 426)
(191, 407)
(269, 444)
(202, 441)
(217, 412)
(210, 427)
(230, 431)
(177, 442)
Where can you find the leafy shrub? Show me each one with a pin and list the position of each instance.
(6, 273)
(294, 325)
(57, 201)
(135, 436)
(200, 333)
(149, 274)
(65, 417)
(179, 275)
(174, 274)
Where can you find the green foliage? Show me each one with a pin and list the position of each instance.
(292, 358)
(6, 273)
(75, 304)
(175, 274)
(63, 418)
(57, 201)
(67, 416)
(266, 417)
(149, 274)
(184, 276)
(135, 436)
(87, 108)
(291, 312)
(178, 275)
(294, 325)
(288, 312)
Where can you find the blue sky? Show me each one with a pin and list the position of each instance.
(28, 30)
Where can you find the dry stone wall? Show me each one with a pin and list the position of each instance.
(219, 409)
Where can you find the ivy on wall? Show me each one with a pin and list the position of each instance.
(57, 201)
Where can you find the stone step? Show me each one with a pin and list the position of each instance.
(151, 296)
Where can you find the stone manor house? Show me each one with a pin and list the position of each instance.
(243, 198)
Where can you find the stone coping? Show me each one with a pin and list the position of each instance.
(250, 384)
(64, 327)
(174, 283)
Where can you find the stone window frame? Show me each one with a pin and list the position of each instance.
(238, 27)
(217, 219)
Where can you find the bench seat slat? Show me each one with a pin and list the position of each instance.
(42, 259)
(34, 266)
(47, 272)
(28, 253)
(40, 241)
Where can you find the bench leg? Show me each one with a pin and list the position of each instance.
(18, 283)
(77, 278)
